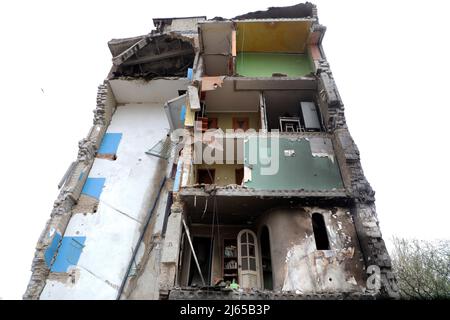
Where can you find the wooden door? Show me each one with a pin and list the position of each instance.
(248, 266)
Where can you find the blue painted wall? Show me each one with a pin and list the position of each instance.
(51, 250)
(93, 187)
(183, 113)
(110, 143)
(68, 254)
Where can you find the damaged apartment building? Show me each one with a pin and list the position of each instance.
(142, 214)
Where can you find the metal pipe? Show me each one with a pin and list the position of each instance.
(193, 251)
(141, 237)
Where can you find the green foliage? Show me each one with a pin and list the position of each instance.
(422, 268)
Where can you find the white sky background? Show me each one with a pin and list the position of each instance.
(389, 58)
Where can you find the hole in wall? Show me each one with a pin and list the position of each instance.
(320, 232)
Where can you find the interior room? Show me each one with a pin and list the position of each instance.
(219, 174)
(273, 48)
(231, 226)
(292, 111)
(226, 109)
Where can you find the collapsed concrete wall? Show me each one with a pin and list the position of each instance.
(51, 237)
(152, 56)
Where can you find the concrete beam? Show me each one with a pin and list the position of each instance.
(158, 57)
(118, 60)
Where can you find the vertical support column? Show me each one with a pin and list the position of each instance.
(171, 248)
(374, 248)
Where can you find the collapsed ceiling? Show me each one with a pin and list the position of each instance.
(153, 56)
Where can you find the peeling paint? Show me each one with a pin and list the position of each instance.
(321, 147)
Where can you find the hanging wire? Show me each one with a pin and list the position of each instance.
(242, 46)
(211, 248)
(217, 217)
(214, 222)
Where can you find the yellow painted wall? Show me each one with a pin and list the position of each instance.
(280, 36)
(225, 173)
(225, 119)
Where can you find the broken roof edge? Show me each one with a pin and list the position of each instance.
(258, 20)
(179, 18)
(130, 46)
(299, 10)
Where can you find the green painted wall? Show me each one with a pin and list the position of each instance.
(252, 64)
(302, 171)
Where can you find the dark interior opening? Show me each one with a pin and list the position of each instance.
(239, 175)
(320, 232)
(202, 247)
(292, 111)
(266, 259)
(167, 212)
(206, 176)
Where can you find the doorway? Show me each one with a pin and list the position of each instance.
(248, 262)
(202, 247)
(266, 259)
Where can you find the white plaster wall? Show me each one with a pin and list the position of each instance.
(131, 185)
(184, 24)
(216, 37)
(226, 99)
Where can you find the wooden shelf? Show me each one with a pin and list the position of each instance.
(230, 273)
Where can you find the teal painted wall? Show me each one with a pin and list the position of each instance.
(302, 171)
(252, 64)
